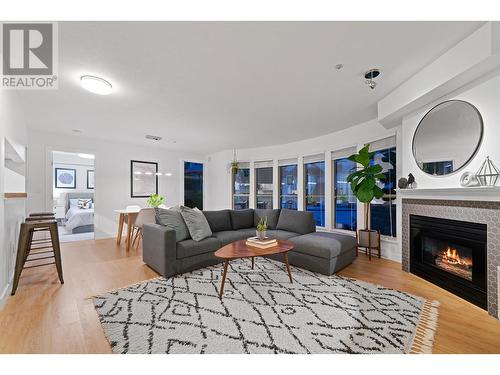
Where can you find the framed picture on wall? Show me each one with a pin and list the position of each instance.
(90, 179)
(65, 178)
(143, 178)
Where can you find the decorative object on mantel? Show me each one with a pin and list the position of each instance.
(488, 173)
(469, 179)
(364, 187)
(403, 183)
(411, 181)
(234, 164)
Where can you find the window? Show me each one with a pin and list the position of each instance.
(314, 190)
(193, 184)
(264, 187)
(241, 188)
(383, 210)
(288, 186)
(344, 201)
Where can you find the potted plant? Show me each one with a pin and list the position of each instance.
(262, 228)
(364, 186)
(155, 200)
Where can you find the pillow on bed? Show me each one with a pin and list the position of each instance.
(73, 202)
(84, 203)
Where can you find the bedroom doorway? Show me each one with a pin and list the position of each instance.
(73, 195)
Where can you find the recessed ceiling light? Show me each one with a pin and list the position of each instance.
(77, 131)
(96, 85)
(86, 156)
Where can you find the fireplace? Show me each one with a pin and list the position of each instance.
(451, 254)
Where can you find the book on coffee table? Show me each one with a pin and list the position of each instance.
(261, 244)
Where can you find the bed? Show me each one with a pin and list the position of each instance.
(79, 220)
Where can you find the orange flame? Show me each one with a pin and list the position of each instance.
(451, 256)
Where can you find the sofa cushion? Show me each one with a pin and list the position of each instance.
(323, 244)
(196, 223)
(218, 220)
(296, 221)
(189, 248)
(272, 217)
(248, 232)
(241, 219)
(172, 219)
(281, 234)
(227, 236)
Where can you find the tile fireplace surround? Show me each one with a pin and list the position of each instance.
(486, 212)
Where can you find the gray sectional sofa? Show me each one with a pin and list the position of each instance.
(321, 252)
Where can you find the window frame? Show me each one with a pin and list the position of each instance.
(233, 192)
(392, 198)
(280, 192)
(203, 184)
(256, 190)
(305, 189)
(334, 196)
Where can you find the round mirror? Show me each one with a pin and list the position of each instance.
(447, 137)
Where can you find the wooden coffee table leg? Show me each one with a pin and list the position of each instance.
(288, 268)
(253, 262)
(226, 262)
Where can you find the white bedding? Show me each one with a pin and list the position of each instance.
(77, 217)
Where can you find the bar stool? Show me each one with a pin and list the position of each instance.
(50, 247)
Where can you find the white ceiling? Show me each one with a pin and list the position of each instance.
(211, 86)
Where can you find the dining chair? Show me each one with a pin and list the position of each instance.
(145, 216)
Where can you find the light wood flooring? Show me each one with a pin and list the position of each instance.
(46, 317)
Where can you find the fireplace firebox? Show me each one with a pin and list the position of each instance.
(450, 254)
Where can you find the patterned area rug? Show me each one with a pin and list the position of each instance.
(262, 312)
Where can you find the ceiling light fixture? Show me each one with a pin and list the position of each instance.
(87, 156)
(96, 85)
(369, 76)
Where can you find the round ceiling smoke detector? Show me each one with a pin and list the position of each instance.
(96, 85)
(369, 76)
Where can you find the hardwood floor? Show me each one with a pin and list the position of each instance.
(46, 317)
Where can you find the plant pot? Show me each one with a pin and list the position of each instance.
(368, 238)
(261, 235)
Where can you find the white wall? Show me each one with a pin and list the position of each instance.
(486, 97)
(112, 173)
(12, 127)
(218, 186)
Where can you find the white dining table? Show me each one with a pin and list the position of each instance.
(129, 216)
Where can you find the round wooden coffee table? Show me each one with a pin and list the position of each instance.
(240, 249)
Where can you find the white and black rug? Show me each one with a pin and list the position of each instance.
(262, 312)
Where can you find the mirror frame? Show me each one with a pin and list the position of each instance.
(478, 146)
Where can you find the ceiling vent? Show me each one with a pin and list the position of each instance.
(153, 137)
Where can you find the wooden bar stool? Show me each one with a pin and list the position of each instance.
(28, 248)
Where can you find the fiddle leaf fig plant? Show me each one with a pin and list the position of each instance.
(155, 200)
(364, 180)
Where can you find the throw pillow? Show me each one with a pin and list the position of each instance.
(196, 222)
(84, 203)
(172, 219)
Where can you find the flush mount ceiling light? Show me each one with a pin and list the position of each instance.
(369, 76)
(96, 85)
(86, 156)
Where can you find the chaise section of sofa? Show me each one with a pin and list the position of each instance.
(321, 252)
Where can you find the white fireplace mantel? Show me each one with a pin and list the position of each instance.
(489, 194)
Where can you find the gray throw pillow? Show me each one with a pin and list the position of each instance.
(172, 219)
(196, 222)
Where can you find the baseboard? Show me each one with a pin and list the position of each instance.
(5, 295)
